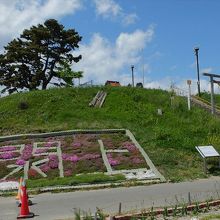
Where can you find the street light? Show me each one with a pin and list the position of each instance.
(132, 74)
(196, 50)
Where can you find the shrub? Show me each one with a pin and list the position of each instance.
(23, 105)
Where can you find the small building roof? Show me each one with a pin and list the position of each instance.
(112, 83)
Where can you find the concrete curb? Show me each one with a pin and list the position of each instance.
(60, 133)
(160, 211)
(86, 186)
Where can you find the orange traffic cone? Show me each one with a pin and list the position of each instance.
(18, 197)
(21, 194)
(24, 211)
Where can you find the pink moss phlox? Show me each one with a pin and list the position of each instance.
(73, 158)
(137, 160)
(68, 173)
(7, 155)
(90, 156)
(45, 168)
(48, 144)
(27, 152)
(53, 161)
(39, 151)
(77, 144)
(20, 162)
(7, 148)
(52, 157)
(113, 162)
(65, 156)
(129, 146)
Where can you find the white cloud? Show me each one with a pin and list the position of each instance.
(107, 8)
(103, 60)
(20, 14)
(181, 85)
(130, 19)
(111, 9)
(132, 43)
(154, 84)
(206, 70)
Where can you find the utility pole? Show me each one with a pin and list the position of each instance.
(143, 65)
(196, 50)
(212, 95)
(132, 74)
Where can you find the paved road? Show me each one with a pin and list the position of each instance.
(59, 206)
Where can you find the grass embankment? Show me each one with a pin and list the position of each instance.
(169, 139)
(207, 96)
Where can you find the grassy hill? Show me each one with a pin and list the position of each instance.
(169, 139)
(207, 97)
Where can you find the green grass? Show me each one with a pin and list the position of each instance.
(207, 97)
(75, 180)
(169, 139)
(209, 217)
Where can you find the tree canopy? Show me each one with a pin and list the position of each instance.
(32, 60)
(67, 74)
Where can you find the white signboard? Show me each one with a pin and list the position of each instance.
(207, 151)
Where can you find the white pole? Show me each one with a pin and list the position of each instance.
(189, 94)
(143, 64)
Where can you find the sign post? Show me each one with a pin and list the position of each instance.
(206, 152)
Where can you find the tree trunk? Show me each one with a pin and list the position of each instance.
(44, 85)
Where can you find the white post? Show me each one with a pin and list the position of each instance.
(189, 94)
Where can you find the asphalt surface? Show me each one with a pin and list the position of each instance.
(50, 206)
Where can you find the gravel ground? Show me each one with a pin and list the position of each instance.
(8, 185)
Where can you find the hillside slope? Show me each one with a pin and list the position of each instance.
(169, 139)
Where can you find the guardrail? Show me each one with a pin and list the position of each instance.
(204, 104)
(205, 101)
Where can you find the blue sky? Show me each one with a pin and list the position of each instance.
(158, 35)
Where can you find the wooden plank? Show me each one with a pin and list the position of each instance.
(103, 99)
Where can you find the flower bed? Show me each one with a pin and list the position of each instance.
(114, 141)
(122, 161)
(67, 155)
